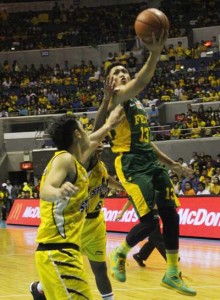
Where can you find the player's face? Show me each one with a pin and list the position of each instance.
(120, 75)
(84, 137)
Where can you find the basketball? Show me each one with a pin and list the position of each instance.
(149, 21)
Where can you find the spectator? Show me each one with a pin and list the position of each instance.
(195, 130)
(188, 190)
(11, 195)
(171, 53)
(132, 63)
(175, 132)
(21, 195)
(190, 179)
(176, 184)
(181, 161)
(215, 186)
(2, 205)
(153, 115)
(203, 174)
(208, 183)
(215, 45)
(4, 195)
(202, 189)
(123, 58)
(210, 168)
(84, 120)
(27, 187)
(184, 131)
(27, 195)
(180, 50)
(195, 162)
(216, 172)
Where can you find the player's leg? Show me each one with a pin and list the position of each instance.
(36, 290)
(143, 253)
(93, 241)
(139, 187)
(102, 281)
(156, 239)
(167, 209)
(67, 278)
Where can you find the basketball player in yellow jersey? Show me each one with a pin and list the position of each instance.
(63, 202)
(139, 169)
(93, 236)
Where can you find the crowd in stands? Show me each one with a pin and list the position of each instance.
(205, 179)
(193, 124)
(64, 26)
(10, 191)
(30, 90)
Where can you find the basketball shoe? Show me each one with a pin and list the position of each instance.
(35, 293)
(175, 282)
(117, 265)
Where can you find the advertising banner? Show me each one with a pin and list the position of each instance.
(25, 212)
(199, 216)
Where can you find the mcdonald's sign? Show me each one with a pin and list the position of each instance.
(16, 211)
(24, 212)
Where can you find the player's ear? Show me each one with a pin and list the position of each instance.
(77, 134)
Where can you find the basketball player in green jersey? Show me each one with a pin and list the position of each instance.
(139, 169)
(63, 202)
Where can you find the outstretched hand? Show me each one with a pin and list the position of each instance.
(109, 89)
(119, 216)
(155, 45)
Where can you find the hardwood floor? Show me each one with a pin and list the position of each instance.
(200, 263)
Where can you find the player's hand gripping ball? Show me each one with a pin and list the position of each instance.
(149, 21)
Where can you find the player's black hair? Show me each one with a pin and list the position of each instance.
(61, 131)
(112, 65)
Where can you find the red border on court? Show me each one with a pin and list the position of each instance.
(199, 216)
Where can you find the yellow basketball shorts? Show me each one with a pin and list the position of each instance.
(62, 274)
(93, 239)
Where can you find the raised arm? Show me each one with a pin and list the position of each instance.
(132, 88)
(109, 86)
(96, 137)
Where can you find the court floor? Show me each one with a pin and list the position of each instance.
(200, 264)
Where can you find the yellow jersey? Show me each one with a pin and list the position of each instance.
(62, 221)
(98, 187)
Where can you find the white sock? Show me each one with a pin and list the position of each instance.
(40, 288)
(109, 296)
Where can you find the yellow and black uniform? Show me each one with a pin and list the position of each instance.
(58, 257)
(94, 231)
(137, 166)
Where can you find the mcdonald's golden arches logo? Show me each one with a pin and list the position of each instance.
(16, 210)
